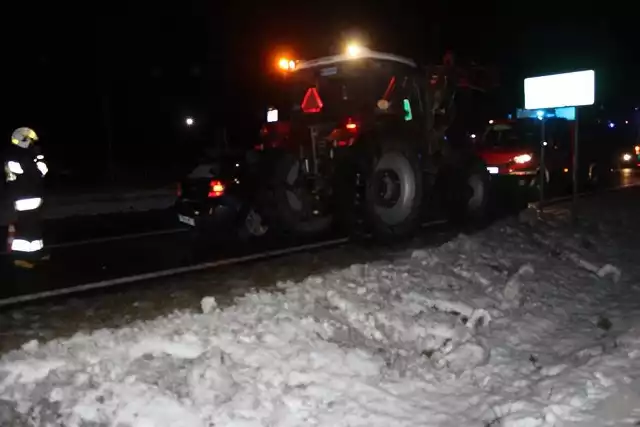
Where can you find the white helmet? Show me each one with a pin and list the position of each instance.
(24, 137)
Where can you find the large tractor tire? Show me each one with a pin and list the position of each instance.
(394, 190)
(293, 200)
(468, 193)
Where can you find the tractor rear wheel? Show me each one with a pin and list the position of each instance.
(295, 203)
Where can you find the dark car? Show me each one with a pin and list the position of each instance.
(219, 198)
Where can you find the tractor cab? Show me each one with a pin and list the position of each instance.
(325, 103)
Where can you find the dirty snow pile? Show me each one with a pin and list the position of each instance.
(513, 326)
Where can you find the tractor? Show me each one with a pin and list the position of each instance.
(359, 140)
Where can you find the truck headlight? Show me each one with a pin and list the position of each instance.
(522, 158)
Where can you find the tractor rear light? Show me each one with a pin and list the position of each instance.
(216, 188)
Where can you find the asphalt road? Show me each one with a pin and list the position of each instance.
(92, 249)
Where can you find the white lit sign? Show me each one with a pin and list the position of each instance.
(272, 116)
(560, 90)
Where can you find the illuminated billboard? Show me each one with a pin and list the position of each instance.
(560, 90)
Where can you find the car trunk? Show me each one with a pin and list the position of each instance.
(197, 185)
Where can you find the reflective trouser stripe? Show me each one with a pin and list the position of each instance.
(11, 234)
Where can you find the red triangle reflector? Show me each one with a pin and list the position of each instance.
(311, 102)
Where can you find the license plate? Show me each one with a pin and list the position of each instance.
(187, 220)
(493, 170)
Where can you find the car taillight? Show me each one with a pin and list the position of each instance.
(216, 188)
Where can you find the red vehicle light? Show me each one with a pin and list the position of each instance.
(179, 190)
(311, 103)
(351, 125)
(216, 188)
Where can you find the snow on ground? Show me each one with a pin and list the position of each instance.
(518, 325)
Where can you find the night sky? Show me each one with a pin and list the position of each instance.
(77, 74)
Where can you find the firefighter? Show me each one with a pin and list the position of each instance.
(24, 170)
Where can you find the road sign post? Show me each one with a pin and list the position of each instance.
(542, 169)
(555, 91)
(574, 170)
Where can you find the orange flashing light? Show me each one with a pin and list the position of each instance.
(216, 188)
(286, 64)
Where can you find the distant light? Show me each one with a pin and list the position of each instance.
(545, 143)
(473, 136)
(354, 50)
(565, 170)
(611, 125)
(626, 157)
(189, 121)
(490, 122)
(626, 122)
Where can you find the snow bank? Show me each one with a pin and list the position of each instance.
(99, 204)
(503, 328)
